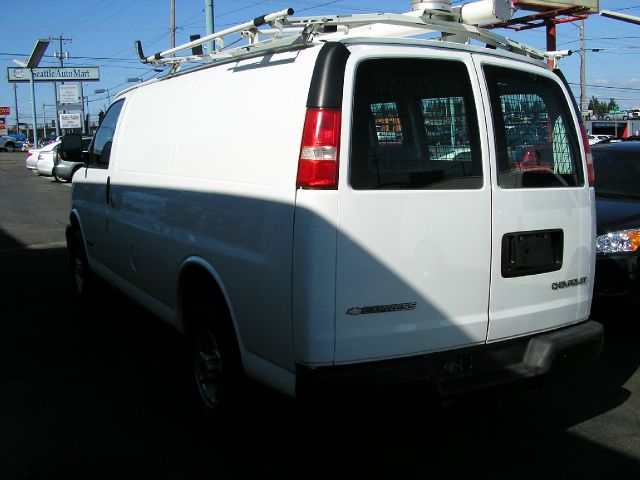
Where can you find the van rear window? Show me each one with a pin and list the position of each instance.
(537, 145)
(414, 126)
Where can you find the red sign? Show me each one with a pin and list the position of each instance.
(4, 111)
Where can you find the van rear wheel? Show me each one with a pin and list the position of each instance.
(215, 361)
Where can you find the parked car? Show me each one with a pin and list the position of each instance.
(32, 158)
(21, 138)
(597, 138)
(64, 169)
(46, 156)
(617, 167)
(8, 144)
(616, 115)
(634, 113)
(304, 254)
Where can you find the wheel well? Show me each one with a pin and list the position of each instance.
(72, 227)
(195, 283)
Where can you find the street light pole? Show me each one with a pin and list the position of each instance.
(33, 108)
(15, 98)
(34, 60)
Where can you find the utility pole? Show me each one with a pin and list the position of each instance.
(173, 23)
(583, 79)
(208, 15)
(60, 55)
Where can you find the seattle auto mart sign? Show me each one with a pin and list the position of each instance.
(55, 74)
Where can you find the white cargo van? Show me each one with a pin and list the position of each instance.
(359, 209)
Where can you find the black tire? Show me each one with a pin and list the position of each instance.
(216, 368)
(625, 118)
(58, 178)
(83, 279)
(10, 147)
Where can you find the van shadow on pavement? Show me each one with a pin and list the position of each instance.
(100, 393)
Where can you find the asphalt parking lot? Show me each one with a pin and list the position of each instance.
(99, 393)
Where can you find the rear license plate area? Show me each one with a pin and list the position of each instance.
(532, 253)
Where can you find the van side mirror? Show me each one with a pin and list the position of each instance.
(71, 147)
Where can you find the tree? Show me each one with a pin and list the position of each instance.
(596, 106)
(613, 105)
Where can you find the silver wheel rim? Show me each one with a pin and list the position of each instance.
(207, 367)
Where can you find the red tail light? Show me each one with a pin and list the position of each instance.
(320, 149)
(591, 174)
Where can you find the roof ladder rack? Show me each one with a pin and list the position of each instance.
(289, 33)
(165, 56)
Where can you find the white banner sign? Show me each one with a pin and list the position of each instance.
(68, 93)
(54, 74)
(70, 120)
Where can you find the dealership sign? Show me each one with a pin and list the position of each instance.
(55, 74)
(68, 93)
(4, 111)
(70, 120)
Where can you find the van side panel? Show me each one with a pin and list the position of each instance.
(314, 277)
(220, 185)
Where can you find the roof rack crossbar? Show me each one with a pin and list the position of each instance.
(295, 32)
(256, 22)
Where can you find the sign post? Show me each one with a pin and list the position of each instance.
(70, 98)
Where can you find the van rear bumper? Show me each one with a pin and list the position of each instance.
(464, 370)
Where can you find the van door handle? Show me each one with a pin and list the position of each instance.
(109, 197)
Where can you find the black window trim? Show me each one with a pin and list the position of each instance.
(92, 145)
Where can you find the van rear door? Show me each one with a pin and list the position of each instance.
(542, 214)
(414, 203)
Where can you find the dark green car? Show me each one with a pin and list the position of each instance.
(63, 170)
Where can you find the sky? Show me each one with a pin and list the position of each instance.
(102, 33)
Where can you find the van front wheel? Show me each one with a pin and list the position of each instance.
(82, 278)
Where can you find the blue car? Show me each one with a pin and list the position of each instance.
(20, 139)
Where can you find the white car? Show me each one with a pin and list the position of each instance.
(46, 159)
(32, 158)
(594, 138)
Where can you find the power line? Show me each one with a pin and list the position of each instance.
(630, 89)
